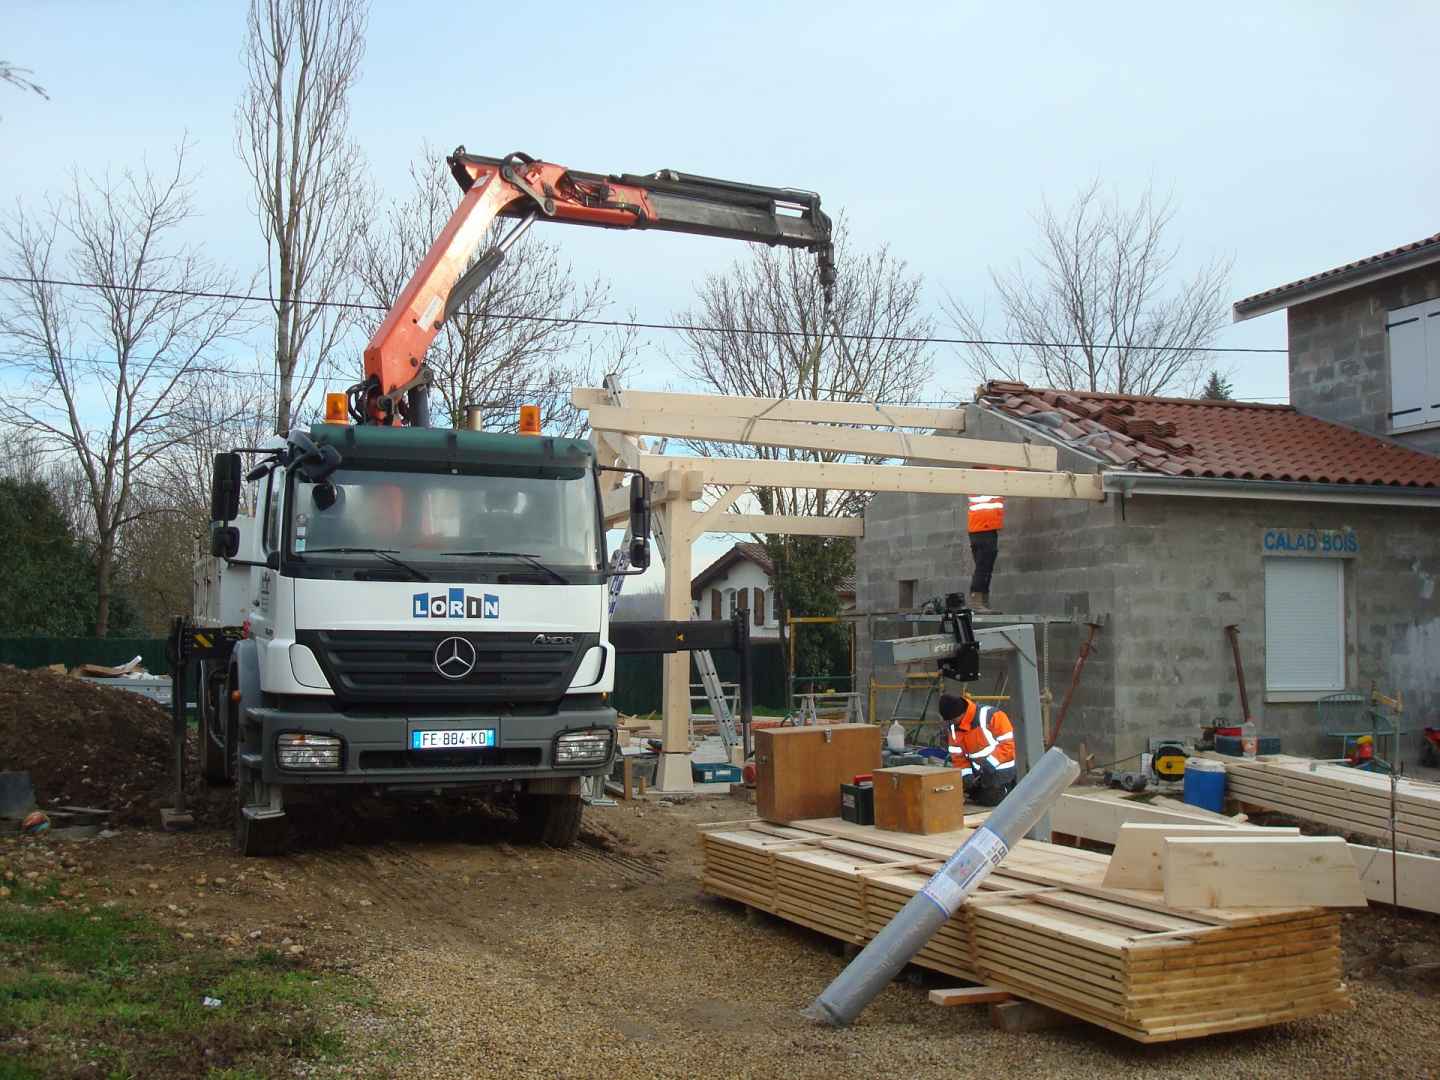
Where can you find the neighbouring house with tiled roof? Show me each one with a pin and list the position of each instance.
(741, 579)
(1319, 540)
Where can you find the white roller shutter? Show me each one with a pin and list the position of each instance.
(1304, 624)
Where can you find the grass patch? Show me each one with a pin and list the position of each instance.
(115, 995)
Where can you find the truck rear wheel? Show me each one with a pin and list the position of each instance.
(551, 819)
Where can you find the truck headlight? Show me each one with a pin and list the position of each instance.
(299, 750)
(584, 747)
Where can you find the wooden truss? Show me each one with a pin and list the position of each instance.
(933, 440)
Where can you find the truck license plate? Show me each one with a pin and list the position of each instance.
(452, 739)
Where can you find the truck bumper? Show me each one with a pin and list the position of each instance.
(375, 750)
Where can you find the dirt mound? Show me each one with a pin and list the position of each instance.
(85, 745)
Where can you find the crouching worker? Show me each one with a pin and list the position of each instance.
(982, 747)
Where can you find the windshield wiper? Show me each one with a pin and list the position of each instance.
(533, 560)
(388, 554)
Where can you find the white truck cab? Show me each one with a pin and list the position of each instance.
(424, 610)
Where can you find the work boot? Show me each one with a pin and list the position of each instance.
(980, 603)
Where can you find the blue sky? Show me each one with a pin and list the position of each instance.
(1295, 136)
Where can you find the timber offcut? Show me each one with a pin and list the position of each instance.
(1044, 927)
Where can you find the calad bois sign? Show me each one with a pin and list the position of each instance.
(1333, 542)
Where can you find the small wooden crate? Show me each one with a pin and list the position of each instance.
(919, 799)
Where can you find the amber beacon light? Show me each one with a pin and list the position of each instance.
(529, 419)
(336, 411)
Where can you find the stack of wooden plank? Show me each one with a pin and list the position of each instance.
(1340, 797)
(1045, 927)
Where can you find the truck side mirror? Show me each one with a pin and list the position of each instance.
(639, 522)
(224, 540)
(225, 488)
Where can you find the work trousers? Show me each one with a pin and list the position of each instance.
(990, 787)
(984, 546)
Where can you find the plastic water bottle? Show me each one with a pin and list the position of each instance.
(1249, 739)
(895, 738)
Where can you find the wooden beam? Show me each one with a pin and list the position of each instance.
(1137, 860)
(927, 481)
(1244, 870)
(700, 523)
(1100, 816)
(785, 524)
(821, 412)
(799, 436)
(970, 995)
(1419, 877)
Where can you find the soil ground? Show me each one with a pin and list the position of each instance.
(462, 953)
(486, 958)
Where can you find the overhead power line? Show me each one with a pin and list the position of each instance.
(627, 324)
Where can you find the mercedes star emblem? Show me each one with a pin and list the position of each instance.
(455, 657)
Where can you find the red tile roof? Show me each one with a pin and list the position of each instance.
(1232, 439)
(1267, 300)
(755, 553)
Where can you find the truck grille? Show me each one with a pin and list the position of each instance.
(368, 665)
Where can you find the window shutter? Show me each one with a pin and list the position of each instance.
(716, 604)
(1304, 624)
(743, 597)
(759, 606)
(1413, 336)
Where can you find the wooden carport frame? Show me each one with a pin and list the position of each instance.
(619, 421)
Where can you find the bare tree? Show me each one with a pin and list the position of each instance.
(517, 341)
(762, 330)
(292, 131)
(1101, 307)
(107, 365)
(219, 413)
(19, 76)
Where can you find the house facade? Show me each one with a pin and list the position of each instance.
(740, 581)
(1319, 542)
(1364, 342)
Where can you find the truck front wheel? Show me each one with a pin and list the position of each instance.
(551, 819)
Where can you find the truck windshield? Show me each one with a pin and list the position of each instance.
(430, 517)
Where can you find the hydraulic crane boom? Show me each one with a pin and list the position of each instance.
(518, 186)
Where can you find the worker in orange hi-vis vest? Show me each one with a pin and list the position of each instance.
(982, 747)
(987, 518)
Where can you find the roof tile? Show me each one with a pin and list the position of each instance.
(1304, 283)
(1196, 437)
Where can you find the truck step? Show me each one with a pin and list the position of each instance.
(261, 812)
(251, 759)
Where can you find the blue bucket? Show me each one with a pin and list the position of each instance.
(1205, 784)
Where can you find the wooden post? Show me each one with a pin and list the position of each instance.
(674, 768)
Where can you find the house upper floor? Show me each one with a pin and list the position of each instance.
(1364, 342)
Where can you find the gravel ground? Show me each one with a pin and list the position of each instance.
(492, 959)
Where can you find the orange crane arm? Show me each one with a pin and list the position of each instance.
(518, 186)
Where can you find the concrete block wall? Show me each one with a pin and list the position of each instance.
(1192, 566)
(1339, 368)
(1056, 557)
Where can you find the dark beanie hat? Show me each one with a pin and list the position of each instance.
(952, 706)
